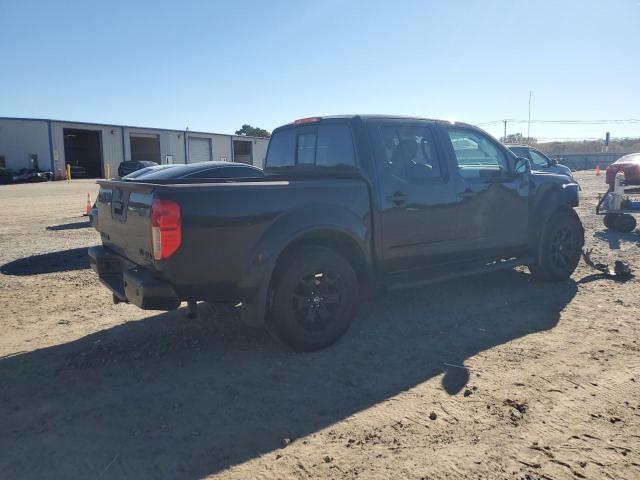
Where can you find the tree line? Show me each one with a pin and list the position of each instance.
(616, 145)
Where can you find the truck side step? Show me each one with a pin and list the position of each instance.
(420, 277)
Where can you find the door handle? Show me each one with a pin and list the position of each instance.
(467, 194)
(398, 198)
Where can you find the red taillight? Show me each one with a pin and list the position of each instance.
(166, 229)
(307, 120)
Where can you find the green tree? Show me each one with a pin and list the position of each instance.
(518, 138)
(249, 131)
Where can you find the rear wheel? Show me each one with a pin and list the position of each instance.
(315, 299)
(560, 248)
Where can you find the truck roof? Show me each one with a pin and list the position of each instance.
(372, 117)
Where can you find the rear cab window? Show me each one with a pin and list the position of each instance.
(325, 145)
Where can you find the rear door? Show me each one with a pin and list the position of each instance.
(416, 196)
(492, 216)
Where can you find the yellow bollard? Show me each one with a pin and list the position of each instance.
(68, 171)
(106, 173)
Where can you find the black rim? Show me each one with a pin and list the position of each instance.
(562, 248)
(318, 299)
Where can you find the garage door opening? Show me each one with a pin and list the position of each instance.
(242, 152)
(199, 149)
(145, 147)
(83, 151)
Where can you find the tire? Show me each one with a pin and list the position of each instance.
(624, 223)
(316, 297)
(609, 220)
(560, 248)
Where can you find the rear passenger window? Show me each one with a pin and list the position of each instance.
(410, 151)
(281, 152)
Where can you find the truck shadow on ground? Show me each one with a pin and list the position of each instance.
(166, 397)
(62, 261)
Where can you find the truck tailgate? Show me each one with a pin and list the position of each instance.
(124, 222)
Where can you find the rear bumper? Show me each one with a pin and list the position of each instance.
(132, 283)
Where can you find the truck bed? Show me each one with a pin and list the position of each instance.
(226, 227)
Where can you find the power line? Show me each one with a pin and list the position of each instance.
(570, 138)
(564, 122)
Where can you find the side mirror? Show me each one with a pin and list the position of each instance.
(553, 162)
(522, 166)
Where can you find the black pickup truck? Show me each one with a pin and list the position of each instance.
(348, 204)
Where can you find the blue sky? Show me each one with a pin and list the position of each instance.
(213, 66)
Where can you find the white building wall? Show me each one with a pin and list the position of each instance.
(171, 142)
(260, 151)
(110, 141)
(258, 148)
(222, 148)
(21, 138)
(220, 145)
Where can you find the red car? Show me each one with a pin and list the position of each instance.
(630, 165)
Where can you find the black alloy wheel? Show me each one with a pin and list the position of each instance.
(315, 298)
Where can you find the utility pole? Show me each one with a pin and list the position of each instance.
(505, 130)
(529, 121)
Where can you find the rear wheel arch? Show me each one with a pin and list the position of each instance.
(335, 240)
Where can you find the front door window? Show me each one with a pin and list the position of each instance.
(477, 156)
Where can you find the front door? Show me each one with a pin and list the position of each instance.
(493, 212)
(416, 195)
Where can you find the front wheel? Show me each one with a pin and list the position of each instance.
(560, 248)
(316, 297)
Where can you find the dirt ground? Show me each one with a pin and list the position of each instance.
(489, 377)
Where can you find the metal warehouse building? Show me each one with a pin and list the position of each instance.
(51, 144)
